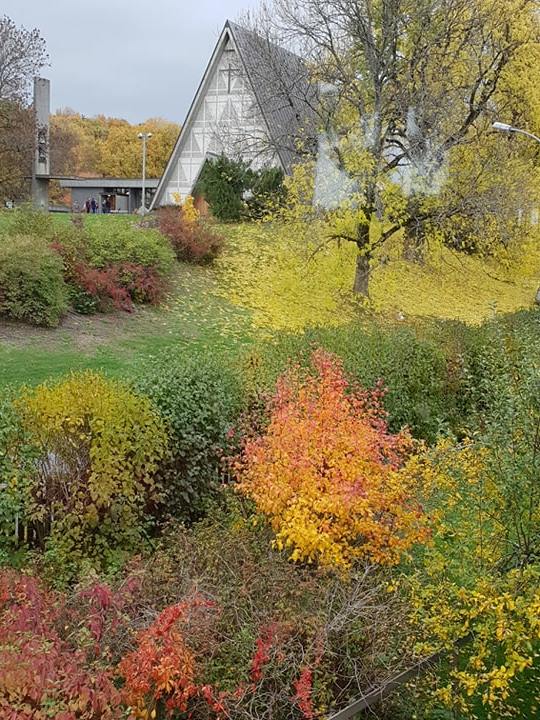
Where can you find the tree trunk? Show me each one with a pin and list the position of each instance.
(363, 259)
(361, 276)
(414, 231)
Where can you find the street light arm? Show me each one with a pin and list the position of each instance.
(528, 134)
(504, 127)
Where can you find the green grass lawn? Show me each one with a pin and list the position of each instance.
(258, 287)
(192, 317)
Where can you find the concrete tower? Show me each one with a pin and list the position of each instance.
(41, 166)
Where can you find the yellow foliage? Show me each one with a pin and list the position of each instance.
(460, 594)
(99, 446)
(189, 211)
(328, 474)
(275, 273)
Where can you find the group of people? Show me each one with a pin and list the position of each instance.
(91, 206)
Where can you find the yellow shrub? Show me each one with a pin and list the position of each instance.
(189, 211)
(99, 446)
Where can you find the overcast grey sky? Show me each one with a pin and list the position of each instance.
(133, 59)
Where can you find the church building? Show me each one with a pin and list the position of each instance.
(254, 103)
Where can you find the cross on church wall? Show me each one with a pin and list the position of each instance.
(229, 72)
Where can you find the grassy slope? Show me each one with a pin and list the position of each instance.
(259, 287)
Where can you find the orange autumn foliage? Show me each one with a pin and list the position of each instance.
(161, 670)
(327, 472)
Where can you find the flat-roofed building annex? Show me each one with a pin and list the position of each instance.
(111, 195)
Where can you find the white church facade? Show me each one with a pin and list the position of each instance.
(246, 107)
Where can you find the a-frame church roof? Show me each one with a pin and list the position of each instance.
(270, 97)
(281, 84)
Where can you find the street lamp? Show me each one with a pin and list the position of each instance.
(144, 137)
(504, 127)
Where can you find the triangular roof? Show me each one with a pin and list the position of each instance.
(280, 81)
(280, 85)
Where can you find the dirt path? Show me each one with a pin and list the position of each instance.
(79, 332)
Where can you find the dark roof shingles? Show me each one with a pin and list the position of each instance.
(281, 84)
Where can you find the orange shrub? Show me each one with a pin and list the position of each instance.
(327, 471)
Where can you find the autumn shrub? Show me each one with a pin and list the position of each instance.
(32, 287)
(214, 623)
(198, 397)
(474, 592)
(112, 284)
(422, 391)
(275, 639)
(327, 471)
(192, 240)
(99, 446)
(55, 650)
(91, 289)
(117, 243)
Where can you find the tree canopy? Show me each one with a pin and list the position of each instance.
(408, 92)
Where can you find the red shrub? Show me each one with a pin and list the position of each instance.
(117, 286)
(191, 240)
(261, 656)
(65, 655)
(303, 688)
(144, 284)
(161, 671)
(45, 668)
(104, 286)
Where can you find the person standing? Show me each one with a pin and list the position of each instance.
(87, 205)
(93, 205)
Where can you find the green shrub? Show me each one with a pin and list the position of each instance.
(32, 287)
(504, 390)
(267, 193)
(17, 457)
(26, 220)
(198, 397)
(222, 182)
(112, 243)
(98, 447)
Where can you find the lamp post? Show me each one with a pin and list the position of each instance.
(145, 137)
(504, 127)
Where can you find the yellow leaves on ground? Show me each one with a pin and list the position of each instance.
(288, 281)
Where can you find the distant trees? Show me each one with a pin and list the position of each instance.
(121, 150)
(22, 55)
(108, 146)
